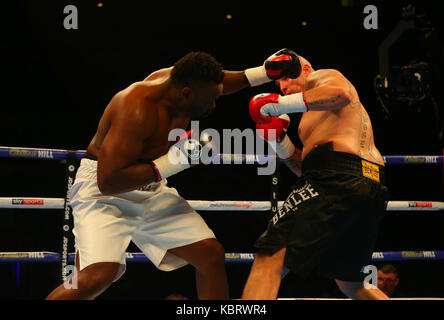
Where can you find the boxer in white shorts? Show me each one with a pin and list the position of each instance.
(156, 219)
(130, 151)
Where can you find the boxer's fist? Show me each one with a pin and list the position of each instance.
(188, 149)
(185, 153)
(266, 105)
(258, 102)
(275, 130)
(284, 63)
(275, 133)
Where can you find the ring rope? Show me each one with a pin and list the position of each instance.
(59, 154)
(46, 256)
(226, 205)
(56, 203)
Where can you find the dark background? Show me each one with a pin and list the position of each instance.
(57, 82)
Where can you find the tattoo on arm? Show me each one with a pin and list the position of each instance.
(324, 101)
(355, 98)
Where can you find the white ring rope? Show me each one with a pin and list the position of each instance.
(58, 203)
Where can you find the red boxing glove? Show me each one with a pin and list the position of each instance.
(257, 102)
(275, 133)
(275, 129)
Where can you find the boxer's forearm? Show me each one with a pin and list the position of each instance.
(125, 179)
(326, 98)
(234, 81)
(295, 162)
(316, 99)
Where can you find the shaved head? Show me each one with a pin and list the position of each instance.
(304, 62)
(289, 85)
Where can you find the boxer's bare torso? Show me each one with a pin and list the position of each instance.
(135, 125)
(331, 117)
(134, 130)
(349, 127)
(139, 111)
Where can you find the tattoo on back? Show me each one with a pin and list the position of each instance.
(365, 121)
(355, 98)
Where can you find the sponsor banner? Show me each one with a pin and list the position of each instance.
(25, 202)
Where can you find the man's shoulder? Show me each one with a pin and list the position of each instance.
(324, 73)
(159, 75)
(321, 76)
(147, 89)
(137, 99)
(140, 92)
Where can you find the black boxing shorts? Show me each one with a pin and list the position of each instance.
(329, 222)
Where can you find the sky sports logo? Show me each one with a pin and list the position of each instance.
(24, 202)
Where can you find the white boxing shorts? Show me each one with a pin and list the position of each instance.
(156, 219)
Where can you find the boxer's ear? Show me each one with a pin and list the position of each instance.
(186, 92)
(306, 68)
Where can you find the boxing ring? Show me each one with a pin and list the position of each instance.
(70, 159)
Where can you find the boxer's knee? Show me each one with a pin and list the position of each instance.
(272, 263)
(350, 289)
(95, 278)
(213, 254)
(203, 255)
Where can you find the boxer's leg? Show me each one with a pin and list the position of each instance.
(357, 291)
(103, 226)
(208, 257)
(265, 277)
(91, 282)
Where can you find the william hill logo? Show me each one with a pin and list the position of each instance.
(26, 153)
(378, 255)
(418, 254)
(412, 254)
(423, 159)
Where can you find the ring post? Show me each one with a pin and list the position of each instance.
(67, 221)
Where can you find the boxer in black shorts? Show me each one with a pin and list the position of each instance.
(329, 222)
